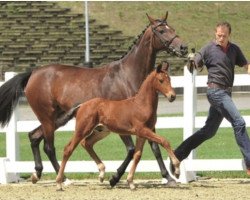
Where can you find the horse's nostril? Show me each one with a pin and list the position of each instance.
(172, 98)
(184, 49)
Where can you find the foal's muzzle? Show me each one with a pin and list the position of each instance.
(171, 97)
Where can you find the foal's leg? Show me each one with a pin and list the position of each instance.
(98, 134)
(137, 156)
(68, 150)
(127, 140)
(150, 135)
(36, 136)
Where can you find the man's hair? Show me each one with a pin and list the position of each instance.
(226, 24)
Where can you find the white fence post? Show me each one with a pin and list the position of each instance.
(189, 112)
(10, 166)
(4, 175)
(12, 137)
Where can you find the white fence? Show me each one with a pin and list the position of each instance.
(10, 165)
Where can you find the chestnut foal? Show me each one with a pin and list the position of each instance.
(133, 116)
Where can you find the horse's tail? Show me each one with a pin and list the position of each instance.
(64, 118)
(10, 92)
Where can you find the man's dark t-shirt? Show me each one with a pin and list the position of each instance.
(220, 65)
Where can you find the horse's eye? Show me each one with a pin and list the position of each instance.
(161, 31)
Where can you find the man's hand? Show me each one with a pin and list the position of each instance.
(190, 62)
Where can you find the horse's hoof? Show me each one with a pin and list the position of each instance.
(34, 178)
(171, 183)
(113, 181)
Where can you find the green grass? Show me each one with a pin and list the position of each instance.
(223, 145)
(193, 21)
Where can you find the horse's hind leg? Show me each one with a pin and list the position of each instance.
(49, 149)
(36, 136)
(157, 153)
(137, 157)
(98, 134)
(127, 140)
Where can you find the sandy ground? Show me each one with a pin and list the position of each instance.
(209, 189)
(206, 189)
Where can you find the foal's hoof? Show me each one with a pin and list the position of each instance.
(174, 171)
(131, 185)
(34, 178)
(59, 187)
(101, 176)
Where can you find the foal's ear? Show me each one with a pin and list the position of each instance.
(165, 66)
(158, 68)
(151, 20)
(166, 16)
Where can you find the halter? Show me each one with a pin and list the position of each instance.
(166, 43)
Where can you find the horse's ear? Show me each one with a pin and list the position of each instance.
(158, 68)
(151, 20)
(166, 16)
(165, 66)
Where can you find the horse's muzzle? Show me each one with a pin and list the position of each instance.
(171, 97)
(184, 49)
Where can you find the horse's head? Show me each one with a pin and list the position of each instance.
(163, 83)
(165, 37)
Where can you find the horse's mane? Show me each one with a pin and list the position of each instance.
(136, 40)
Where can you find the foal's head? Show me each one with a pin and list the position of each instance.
(162, 81)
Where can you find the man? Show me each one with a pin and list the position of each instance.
(220, 57)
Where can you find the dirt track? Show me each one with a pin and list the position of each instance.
(224, 189)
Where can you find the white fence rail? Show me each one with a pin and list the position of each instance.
(10, 165)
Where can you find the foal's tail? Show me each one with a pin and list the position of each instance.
(64, 118)
(10, 92)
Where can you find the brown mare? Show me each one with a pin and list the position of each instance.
(54, 89)
(134, 116)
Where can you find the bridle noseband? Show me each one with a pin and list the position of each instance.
(166, 43)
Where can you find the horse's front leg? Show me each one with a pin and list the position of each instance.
(127, 140)
(137, 157)
(36, 136)
(98, 134)
(157, 153)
